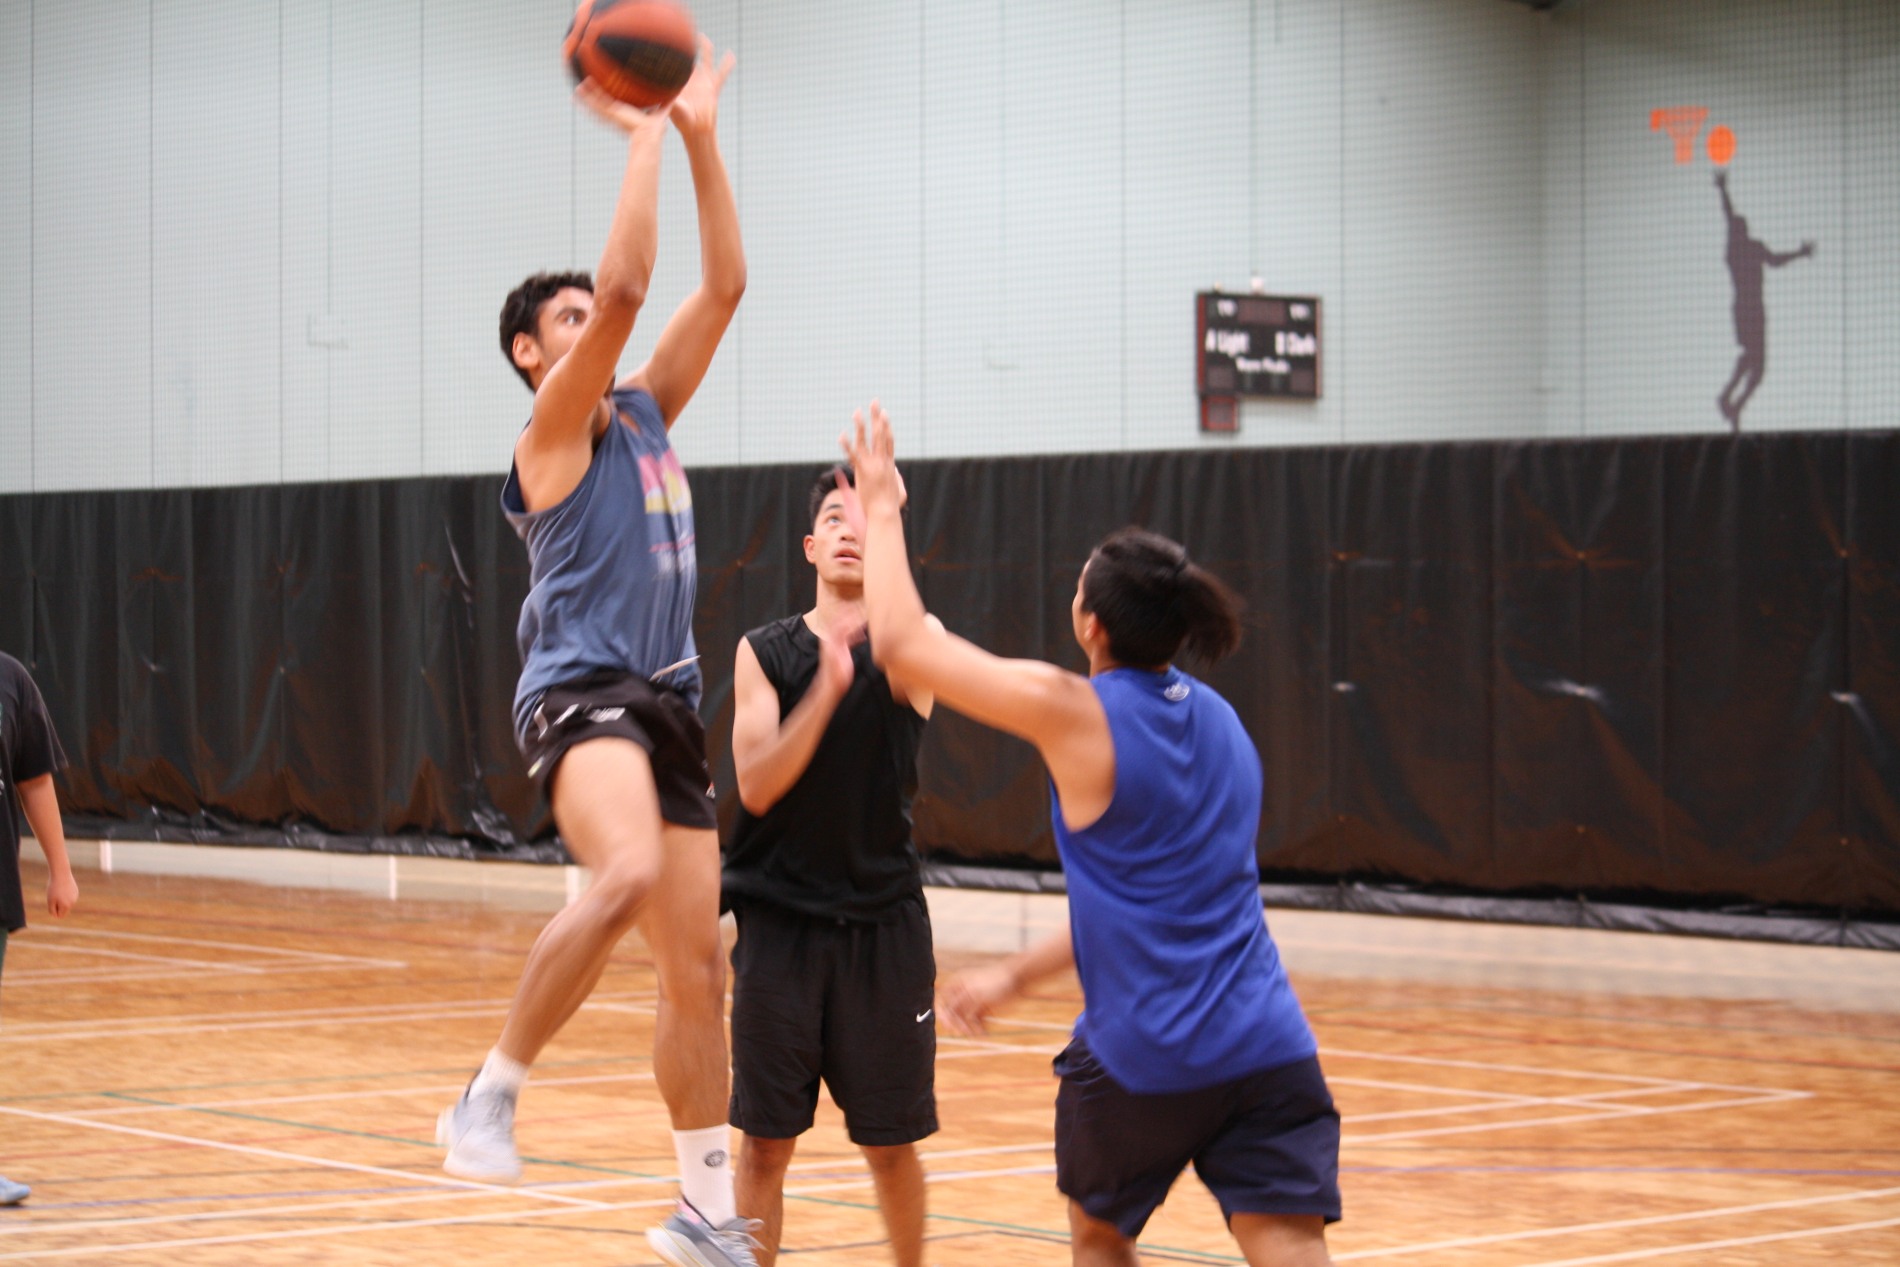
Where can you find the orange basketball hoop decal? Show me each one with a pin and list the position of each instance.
(1684, 125)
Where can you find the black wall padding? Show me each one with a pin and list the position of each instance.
(1664, 670)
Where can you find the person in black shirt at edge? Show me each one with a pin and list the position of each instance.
(29, 753)
(834, 971)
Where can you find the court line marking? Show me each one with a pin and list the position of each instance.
(1813, 1233)
(307, 1233)
(263, 1212)
(446, 1088)
(100, 952)
(252, 947)
(218, 1020)
(1612, 1225)
(280, 1155)
(109, 976)
(1622, 1114)
(591, 1207)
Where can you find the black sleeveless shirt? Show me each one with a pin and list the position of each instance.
(837, 844)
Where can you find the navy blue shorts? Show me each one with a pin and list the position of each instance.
(1267, 1143)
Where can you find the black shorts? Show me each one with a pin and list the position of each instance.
(621, 705)
(846, 1001)
(1267, 1143)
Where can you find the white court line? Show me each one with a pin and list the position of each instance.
(353, 1229)
(1446, 1062)
(280, 1155)
(110, 976)
(217, 1020)
(249, 947)
(1809, 1234)
(447, 1088)
(1620, 1114)
(273, 1211)
(444, 1013)
(100, 952)
(447, 1220)
(1652, 1220)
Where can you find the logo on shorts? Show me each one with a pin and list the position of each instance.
(599, 715)
(715, 1159)
(925, 1015)
(1177, 692)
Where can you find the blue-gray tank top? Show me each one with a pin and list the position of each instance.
(611, 567)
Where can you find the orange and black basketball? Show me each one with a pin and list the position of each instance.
(639, 51)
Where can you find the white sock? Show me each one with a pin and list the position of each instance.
(706, 1172)
(499, 1074)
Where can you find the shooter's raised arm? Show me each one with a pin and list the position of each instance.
(685, 348)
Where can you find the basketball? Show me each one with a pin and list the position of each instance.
(639, 51)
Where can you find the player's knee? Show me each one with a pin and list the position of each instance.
(694, 980)
(758, 1155)
(621, 889)
(1093, 1236)
(884, 1159)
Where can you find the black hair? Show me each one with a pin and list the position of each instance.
(521, 311)
(824, 486)
(1154, 602)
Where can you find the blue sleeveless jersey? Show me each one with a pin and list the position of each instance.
(611, 567)
(1182, 986)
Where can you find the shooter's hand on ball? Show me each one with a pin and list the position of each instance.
(629, 119)
(696, 110)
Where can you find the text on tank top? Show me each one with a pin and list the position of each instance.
(612, 569)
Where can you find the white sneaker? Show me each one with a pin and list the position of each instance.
(479, 1132)
(12, 1193)
(688, 1240)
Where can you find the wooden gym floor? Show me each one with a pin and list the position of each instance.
(219, 1070)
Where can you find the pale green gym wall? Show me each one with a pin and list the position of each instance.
(1640, 334)
(992, 213)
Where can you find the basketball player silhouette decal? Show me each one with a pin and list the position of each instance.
(1747, 258)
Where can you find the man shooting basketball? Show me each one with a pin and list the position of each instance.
(606, 708)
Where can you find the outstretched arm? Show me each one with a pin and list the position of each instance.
(965, 1001)
(1053, 709)
(685, 348)
(1777, 259)
(555, 449)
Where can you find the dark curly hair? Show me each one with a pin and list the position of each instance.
(521, 311)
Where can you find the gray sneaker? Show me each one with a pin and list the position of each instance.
(12, 1193)
(479, 1132)
(687, 1240)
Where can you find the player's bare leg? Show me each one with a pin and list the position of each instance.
(761, 1188)
(608, 814)
(680, 922)
(1282, 1240)
(900, 1195)
(1093, 1243)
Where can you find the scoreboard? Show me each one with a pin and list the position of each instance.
(1255, 346)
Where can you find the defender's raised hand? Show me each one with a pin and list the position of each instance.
(873, 455)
